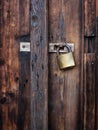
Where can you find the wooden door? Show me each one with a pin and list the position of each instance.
(65, 90)
(34, 93)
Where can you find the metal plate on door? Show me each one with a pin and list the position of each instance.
(24, 46)
(53, 47)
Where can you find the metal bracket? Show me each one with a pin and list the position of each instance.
(52, 47)
(24, 46)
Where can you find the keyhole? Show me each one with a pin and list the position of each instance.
(23, 46)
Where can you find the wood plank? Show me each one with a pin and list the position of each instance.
(64, 88)
(96, 45)
(90, 18)
(89, 44)
(96, 8)
(89, 91)
(5, 40)
(10, 69)
(39, 65)
(24, 16)
(55, 91)
(1, 22)
(1, 60)
(96, 92)
(23, 121)
(8, 99)
(11, 90)
(96, 68)
(23, 116)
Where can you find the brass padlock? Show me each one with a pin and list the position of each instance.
(65, 60)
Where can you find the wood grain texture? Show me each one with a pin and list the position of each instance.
(10, 89)
(24, 16)
(64, 88)
(96, 45)
(1, 60)
(90, 18)
(56, 105)
(23, 116)
(89, 91)
(96, 92)
(10, 68)
(96, 69)
(1, 23)
(96, 8)
(89, 44)
(39, 65)
(23, 121)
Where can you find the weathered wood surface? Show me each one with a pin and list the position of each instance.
(1, 61)
(64, 86)
(10, 69)
(23, 119)
(90, 18)
(96, 8)
(24, 16)
(96, 46)
(65, 92)
(12, 89)
(96, 69)
(39, 65)
(1, 24)
(90, 67)
(89, 44)
(89, 91)
(24, 93)
(96, 92)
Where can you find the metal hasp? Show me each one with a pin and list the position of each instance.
(24, 46)
(53, 47)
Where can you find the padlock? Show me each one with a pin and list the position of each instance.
(65, 60)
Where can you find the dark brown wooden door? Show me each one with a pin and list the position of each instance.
(34, 93)
(65, 24)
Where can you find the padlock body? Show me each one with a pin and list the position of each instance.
(66, 60)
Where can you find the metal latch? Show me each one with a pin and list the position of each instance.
(53, 47)
(25, 46)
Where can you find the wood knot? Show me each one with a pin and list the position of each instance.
(34, 20)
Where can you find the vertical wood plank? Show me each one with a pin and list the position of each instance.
(23, 116)
(10, 68)
(64, 88)
(56, 78)
(5, 40)
(96, 45)
(96, 68)
(90, 17)
(96, 8)
(89, 44)
(1, 22)
(96, 92)
(1, 60)
(14, 67)
(89, 91)
(23, 122)
(39, 65)
(24, 16)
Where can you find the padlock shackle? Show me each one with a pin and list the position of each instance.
(66, 45)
